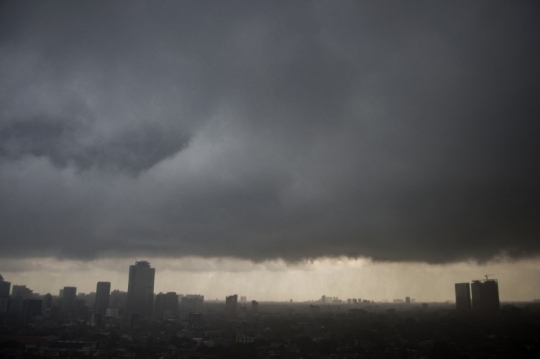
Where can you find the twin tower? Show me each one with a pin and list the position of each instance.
(485, 296)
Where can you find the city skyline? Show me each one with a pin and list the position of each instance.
(352, 149)
(413, 289)
(141, 324)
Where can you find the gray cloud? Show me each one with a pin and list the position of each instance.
(62, 141)
(269, 130)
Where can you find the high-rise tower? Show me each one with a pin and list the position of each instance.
(69, 302)
(463, 296)
(140, 298)
(230, 305)
(485, 296)
(103, 292)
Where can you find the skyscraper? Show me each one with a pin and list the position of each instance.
(103, 292)
(490, 296)
(476, 289)
(463, 296)
(140, 298)
(230, 305)
(69, 301)
(485, 296)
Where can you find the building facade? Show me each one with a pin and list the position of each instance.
(103, 293)
(4, 288)
(230, 305)
(69, 302)
(463, 296)
(166, 306)
(485, 296)
(140, 297)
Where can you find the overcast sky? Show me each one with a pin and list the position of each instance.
(270, 131)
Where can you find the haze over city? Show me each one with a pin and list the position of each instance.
(280, 150)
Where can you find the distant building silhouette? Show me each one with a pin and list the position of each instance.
(140, 297)
(254, 307)
(230, 305)
(191, 303)
(170, 305)
(118, 299)
(47, 302)
(69, 301)
(20, 291)
(485, 296)
(463, 296)
(4, 288)
(408, 300)
(194, 301)
(4, 295)
(103, 293)
(166, 305)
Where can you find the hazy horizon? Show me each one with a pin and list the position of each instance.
(279, 281)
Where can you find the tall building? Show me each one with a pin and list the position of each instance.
(4, 288)
(490, 293)
(485, 296)
(463, 296)
(140, 298)
(69, 301)
(254, 307)
(476, 289)
(230, 305)
(103, 292)
(170, 305)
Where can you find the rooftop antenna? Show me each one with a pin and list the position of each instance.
(487, 276)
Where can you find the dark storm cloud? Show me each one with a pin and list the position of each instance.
(133, 150)
(270, 129)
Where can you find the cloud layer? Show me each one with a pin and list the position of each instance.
(269, 130)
